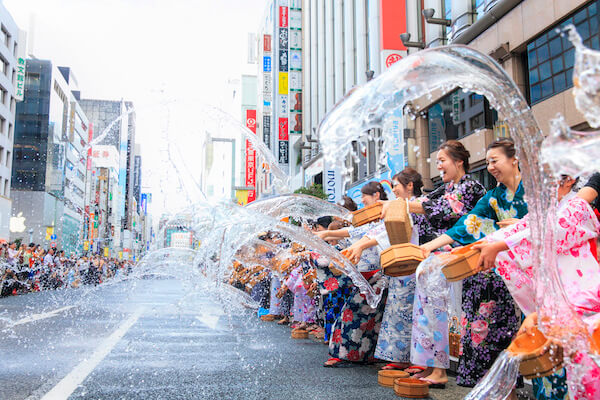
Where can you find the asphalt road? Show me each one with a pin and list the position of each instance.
(159, 339)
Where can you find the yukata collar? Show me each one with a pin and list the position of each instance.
(451, 184)
(520, 188)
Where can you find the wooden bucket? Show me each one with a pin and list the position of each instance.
(398, 223)
(454, 344)
(539, 356)
(367, 214)
(401, 259)
(460, 263)
(299, 334)
(386, 377)
(411, 388)
(268, 317)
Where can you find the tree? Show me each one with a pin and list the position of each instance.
(314, 190)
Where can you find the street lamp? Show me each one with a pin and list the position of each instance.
(428, 14)
(30, 231)
(405, 38)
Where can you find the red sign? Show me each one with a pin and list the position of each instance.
(283, 17)
(89, 152)
(283, 129)
(393, 23)
(251, 120)
(251, 156)
(391, 59)
(267, 43)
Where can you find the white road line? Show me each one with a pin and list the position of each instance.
(37, 317)
(69, 383)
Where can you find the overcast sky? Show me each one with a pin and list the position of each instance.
(146, 51)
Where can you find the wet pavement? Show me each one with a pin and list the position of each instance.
(149, 341)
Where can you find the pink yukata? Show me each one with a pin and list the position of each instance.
(304, 309)
(578, 268)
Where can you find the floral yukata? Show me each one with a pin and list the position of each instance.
(304, 309)
(393, 343)
(490, 319)
(578, 268)
(443, 208)
(355, 331)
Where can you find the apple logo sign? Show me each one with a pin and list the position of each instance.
(17, 224)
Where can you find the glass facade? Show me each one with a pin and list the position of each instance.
(550, 57)
(31, 129)
(457, 115)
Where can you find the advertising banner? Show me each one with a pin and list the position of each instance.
(295, 59)
(295, 19)
(296, 101)
(267, 64)
(283, 17)
(295, 80)
(251, 156)
(284, 152)
(267, 130)
(267, 84)
(332, 184)
(295, 40)
(283, 61)
(283, 105)
(267, 43)
(283, 129)
(296, 123)
(283, 38)
(283, 83)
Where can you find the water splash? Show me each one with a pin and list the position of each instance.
(301, 207)
(499, 381)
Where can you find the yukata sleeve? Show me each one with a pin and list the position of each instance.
(444, 208)
(379, 234)
(358, 232)
(576, 225)
(476, 224)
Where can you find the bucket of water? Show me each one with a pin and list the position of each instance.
(539, 356)
(386, 377)
(299, 334)
(460, 263)
(398, 223)
(367, 214)
(401, 259)
(411, 388)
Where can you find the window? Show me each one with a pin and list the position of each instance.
(6, 187)
(479, 7)
(1, 155)
(477, 122)
(10, 131)
(8, 158)
(475, 99)
(550, 57)
(5, 36)
(2, 125)
(448, 14)
(3, 65)
(3, 93)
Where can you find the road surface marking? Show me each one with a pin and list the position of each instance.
(37, 317)
(69, 383)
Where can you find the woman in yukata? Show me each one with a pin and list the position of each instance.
(354, 332)
(393, 344)
(489, 317)
(509, 252)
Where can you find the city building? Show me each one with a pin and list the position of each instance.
(280, 88)
(12, 74)
(524, 38)
(345, 45)
(102, 224)
(114, 125)
(49, 161)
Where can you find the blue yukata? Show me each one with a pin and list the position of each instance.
(490, 318)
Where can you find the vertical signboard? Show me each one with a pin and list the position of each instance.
(251, 156)
(267, 130)
(283, 141)
(393, 23)
(283, 17)
(267, 43)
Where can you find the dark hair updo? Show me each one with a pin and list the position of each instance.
(408, 175)
(506, 144)
(348, 203)
(457, 152)
(374, 187)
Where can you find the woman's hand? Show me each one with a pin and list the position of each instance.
(507, 222)
(529, 324)
(426, 249)
(385, 206)
(489, 251)
(353, 253)
(322, 234)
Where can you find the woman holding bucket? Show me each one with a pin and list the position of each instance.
(489, 316)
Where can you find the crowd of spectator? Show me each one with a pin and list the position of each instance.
(31, 268)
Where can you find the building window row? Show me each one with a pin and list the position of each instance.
(550, 57)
